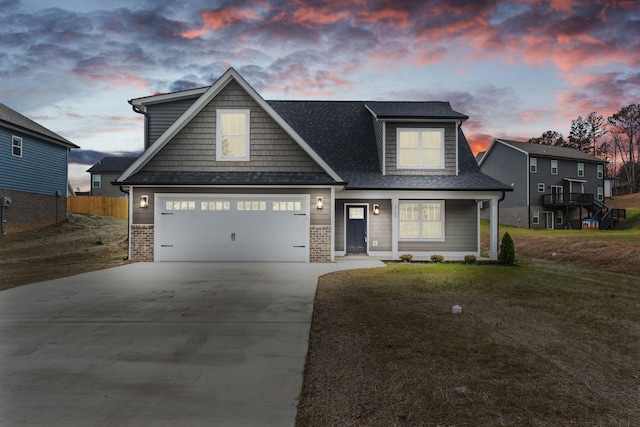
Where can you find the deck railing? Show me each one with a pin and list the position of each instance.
(576, 199)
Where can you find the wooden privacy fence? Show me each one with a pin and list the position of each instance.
(97, 205)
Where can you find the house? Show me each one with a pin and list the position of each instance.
(228, 176)
(553, 187)
(104, 172)
(33, 173)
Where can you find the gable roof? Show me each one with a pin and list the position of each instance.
(543, 150)
(401, 110)
(13, 120)
(112, 164)
(202, 102)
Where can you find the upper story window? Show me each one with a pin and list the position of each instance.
(420, 148)
(16, 146)
(533, 165)
(232, 135)
(580, 169)
(600, 171)
(96, 181)
(554, 167)
(541, 187)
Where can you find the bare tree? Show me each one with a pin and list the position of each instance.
(624, 127)
(585, 133)
(550, 137)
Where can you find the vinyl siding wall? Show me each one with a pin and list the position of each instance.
(461, 230)
(106, 189)
(449, 144)
(509, 167)
(194, 147)
(42, 169)
(161, 116)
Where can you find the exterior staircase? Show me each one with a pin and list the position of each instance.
(607, 218)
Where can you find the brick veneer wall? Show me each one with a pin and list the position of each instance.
(141, 243)
(320, 243)
(30, 211)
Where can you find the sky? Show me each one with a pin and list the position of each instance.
(517, 68)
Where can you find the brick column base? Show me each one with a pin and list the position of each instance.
(141, 243)
(320, 243)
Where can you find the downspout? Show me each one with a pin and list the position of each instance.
(128, 223)
(146, 123)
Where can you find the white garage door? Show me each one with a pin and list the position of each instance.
(196, 227)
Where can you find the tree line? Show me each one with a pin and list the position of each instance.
(615, 139)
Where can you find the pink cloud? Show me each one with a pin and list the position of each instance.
(214, 20)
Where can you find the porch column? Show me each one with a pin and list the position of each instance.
(493, 231)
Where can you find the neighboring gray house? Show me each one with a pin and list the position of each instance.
(104, 172)
(228, 176)
(33, 173)
(553, 187)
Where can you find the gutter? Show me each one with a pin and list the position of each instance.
(128, 223)
(136, 109)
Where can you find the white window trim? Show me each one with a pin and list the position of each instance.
(554, 162)
(580, 169)
(600, 171)
(98, 181)
(15, 139)
(600, 194)
(247, 118)
(533, 164)
(559, 218)
(541, 187)
(442, 220)
(536, 217)
(442, 148)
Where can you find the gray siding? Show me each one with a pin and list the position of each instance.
(461, 230)
(508, 166)
(318, 216)
(449, 144)
(161, 116)
(193, 148)
(42, 169)
(566, 169)
(106, 189)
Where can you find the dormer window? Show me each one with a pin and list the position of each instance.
(420, 148)
(232, 135)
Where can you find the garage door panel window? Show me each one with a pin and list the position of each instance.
(420, 220)
(180, 205)
(215, 206)
(251, 205)
(286, 206)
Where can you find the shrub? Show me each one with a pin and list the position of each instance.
(469, 259)
(406, 257)
(507, 253)
(437, 258)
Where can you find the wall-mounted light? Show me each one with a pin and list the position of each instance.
(376, 209)
(319, 202)
(144, 201)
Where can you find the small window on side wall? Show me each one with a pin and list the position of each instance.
(600, 171)
(232, 135)
(96, 181)
(554, 167)
(581, 169)
(536, 217)
(16, 146)
(541, 187)
(533, 165)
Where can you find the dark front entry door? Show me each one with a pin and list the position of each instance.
(357, 229)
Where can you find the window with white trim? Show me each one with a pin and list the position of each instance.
(420, 148)
(421, 220)
(554, 167)
(541, 187)
(600, 171)
(232, 135)
(16, 146)
(533, 165)
(600, 194)
(96, 181)
(559, 218)
(580, 169)
(536, 217)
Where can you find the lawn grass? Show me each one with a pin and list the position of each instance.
(537, 344)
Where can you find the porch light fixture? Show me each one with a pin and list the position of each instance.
(144, 201)
(376, 209)
(319, 202)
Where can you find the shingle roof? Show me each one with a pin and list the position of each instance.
(112, 164)
(552, 151)
(414, 110)
(10, 117)
(229, 178)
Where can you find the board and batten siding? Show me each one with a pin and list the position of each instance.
(461, 230)
(162, 115)
(194, 147)
(449, 148)
(146, 215)
(42, 169)
(379, 225)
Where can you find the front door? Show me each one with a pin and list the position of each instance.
(356, 229)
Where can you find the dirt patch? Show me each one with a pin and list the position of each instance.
(83, 243)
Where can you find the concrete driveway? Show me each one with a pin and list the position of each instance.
(158, 344)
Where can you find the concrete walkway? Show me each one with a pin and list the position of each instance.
(159, 344)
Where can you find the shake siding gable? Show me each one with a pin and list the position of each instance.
(449, 148)
(161, 116)
(271, 149)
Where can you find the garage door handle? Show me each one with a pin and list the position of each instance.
(233, 237)
(300, 214)
(166, 213)
(166, 246)
(295, 246)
